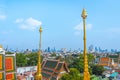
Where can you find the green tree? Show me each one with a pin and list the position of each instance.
(74, 74)
(65, 77)
(98, 70)
(78, 63)
(91, 58)
(53, 55)
(27, 59)
(32, 59)
(21, 60)
(9, 52)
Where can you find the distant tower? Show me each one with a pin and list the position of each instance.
(91, 49)
(39, 75)
(86, 72)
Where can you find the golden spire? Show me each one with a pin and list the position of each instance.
(39, 75)
(1, 46)
(86, 72)
(84, 14)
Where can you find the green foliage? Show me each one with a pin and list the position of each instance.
(93, 77)
(66, 77)
(72, 75)
(91, 59)
(78, 63)
(32, 59)
(53, 55)
(98, 70)
(21, 60)
(27, 59)
(9, 53)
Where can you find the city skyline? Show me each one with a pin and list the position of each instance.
(61, 22)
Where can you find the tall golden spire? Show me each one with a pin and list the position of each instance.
(1, 46)
(86, 72)
(39, 75)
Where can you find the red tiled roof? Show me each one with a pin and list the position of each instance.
(52, 68)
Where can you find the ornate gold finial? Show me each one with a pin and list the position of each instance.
(86, 72)
(39, 75)
(84, 14)
(1, 46)
(40, 30)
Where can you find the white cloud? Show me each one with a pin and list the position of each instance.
(19, 20)
(33, 22)
(28, 24)
(2, 17)
(89, 26)
(79, 28)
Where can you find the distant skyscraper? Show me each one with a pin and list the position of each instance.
(112, 50)
(96, 49)
(100, 50)
(90, 49)
(49, 49)
(54, 50)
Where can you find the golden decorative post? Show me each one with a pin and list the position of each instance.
(1, 46)
(39, 75)
(86, 72)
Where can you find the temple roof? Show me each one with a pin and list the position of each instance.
(51, 64)
(52, 68)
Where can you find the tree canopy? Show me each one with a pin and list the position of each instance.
(78, 63)
(21, 60)
(98, 70)
(74, 74)
(30, 59)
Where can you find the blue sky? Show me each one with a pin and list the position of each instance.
(61, 21)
